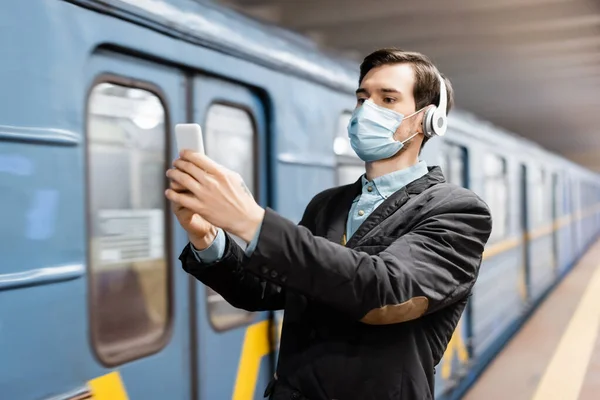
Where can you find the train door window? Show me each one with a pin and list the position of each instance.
(128, 259)
(496, 194)
(349, 166)
(230, 140)
(542, 197)
(556, 193)
(548, 196)
(453, 160)
(566, 198)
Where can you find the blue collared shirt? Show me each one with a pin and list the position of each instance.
(376, 191)
(372, 195)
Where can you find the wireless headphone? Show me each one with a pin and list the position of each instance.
(435, 121)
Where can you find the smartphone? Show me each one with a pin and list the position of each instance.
(189, 137)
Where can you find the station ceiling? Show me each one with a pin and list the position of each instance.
(530, 66)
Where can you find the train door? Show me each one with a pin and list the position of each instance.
(525, 225)
(137, 294)
(233, 345)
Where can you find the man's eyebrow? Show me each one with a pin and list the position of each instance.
(382, 90)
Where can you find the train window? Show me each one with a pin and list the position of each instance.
(453, 160)
(589, 196)
(496, 194)
(556, 200)
(566, 195)
(349, 166)
(230, 138)
(128, 258)
(542, 197)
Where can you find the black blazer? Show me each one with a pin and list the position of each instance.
(371, 319)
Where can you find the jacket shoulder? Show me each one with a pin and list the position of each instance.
(457, 196)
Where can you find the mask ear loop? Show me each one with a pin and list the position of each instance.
(415, 113)
(412, 115)
(406, 140)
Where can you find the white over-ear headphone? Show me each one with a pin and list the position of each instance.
(435, 121)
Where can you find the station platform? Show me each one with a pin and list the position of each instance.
(556, 354)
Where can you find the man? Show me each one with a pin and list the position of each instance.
(371, 317)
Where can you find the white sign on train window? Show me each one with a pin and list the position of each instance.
(130, 235)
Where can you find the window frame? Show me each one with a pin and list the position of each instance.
(256, 192)
(135, 351)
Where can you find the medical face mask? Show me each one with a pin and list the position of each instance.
(371, 131)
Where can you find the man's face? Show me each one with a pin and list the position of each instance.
(391, 86)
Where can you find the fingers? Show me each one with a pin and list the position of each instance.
(177, 187)
(191, 169)
(203, 162)
(183, 182)
(185, 200)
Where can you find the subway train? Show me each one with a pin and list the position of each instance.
(93, 300)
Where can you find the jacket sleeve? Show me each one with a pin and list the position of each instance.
(425, 270)
(238, 286)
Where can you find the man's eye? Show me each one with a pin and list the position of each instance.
(360, 101)
(389, 100)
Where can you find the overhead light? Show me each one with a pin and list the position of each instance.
(341, 146)
(148, 114)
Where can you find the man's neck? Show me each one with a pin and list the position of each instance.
(375, 169)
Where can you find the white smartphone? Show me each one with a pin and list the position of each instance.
(189, 136)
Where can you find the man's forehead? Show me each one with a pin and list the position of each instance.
(395, 76)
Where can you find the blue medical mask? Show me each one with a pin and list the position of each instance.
(371, 131)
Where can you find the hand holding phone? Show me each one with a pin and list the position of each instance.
(201, 232)
(213, 202)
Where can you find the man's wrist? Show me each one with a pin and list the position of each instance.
(204, 242)
(250, 224)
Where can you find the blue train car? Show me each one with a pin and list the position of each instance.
(93, 302)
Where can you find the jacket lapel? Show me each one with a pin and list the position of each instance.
(338, 210)
(395, 202)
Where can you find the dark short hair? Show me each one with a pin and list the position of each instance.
(427, 85)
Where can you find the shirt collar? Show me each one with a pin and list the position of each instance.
(390, 183)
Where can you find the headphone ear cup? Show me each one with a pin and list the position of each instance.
(439, 123)
(428, 122)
